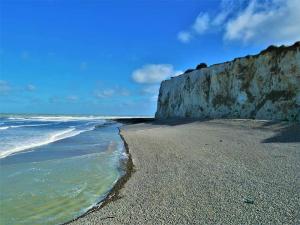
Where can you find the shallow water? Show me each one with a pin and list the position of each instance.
(59, 179)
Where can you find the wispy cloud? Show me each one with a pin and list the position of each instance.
(123, 91)
(57, 99)
(200, 26)
(72, 98)
(248, 21)
(5, 87)
(30, 87)
(104, 93)
(276, 21)
(184, 36)
(201, 23)
(54, 99)
(152, 89)
(8, 88)
(110, 92)
(154, 73)
(151, 92)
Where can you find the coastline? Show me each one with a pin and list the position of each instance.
(98, 176)
(216, 171)
(126, 165)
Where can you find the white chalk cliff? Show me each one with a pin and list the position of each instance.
(263, 86)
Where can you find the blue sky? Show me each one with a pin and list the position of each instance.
(108, 57)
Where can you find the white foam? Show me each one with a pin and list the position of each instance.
(28, 125)
(53, 137)
(55, 118)
(71, 118)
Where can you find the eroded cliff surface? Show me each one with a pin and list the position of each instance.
(263, 86)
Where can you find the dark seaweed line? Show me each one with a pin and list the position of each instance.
(114, 192)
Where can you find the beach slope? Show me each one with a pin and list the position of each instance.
(208, 172)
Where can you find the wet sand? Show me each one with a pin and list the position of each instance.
(208, 172)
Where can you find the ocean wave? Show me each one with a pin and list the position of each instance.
(55, 118)
(68, 118)
(53, 137)
(27, 125)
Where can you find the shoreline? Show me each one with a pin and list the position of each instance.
(128, 169)
(206, 172)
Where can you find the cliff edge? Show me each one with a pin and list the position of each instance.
(263, 86)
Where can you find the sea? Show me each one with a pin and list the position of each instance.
(55, 168)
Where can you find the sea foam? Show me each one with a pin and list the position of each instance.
(52, 137)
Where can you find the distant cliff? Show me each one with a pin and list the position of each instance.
(263, 86)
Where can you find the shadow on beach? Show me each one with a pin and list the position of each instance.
(166, 122)
(285, 134)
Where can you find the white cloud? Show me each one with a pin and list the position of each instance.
(201, 23)
(153, 73)
(278, 22)
(152, 89)
(72, 98)
(123, 92)
(104, 93)
(153, 98)
(151, 92)
(30, 87)
(184, 36)
(110, 92)
(7, 88)
(220, 18)
(250, 21)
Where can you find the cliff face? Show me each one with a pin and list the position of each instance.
(264, 86)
